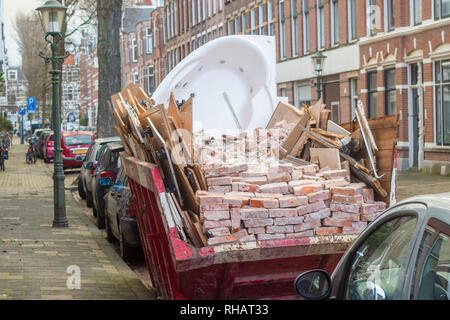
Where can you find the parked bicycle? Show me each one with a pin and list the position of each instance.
(31, 156)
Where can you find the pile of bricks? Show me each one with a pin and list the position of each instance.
(282, 201)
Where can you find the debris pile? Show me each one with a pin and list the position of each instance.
(301, 176)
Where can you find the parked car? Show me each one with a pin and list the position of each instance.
(404, 254)
(74, 148)
(48, 147)
(120, 224)
(39, 139)
(106, 172)
(89, 165)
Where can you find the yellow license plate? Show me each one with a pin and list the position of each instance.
(79, 151)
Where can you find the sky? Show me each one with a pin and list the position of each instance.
(11, 7)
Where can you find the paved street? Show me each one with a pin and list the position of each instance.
(35, 258)
(411, 183)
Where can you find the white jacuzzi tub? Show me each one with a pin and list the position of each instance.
(232, 80)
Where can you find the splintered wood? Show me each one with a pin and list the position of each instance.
(291, 179)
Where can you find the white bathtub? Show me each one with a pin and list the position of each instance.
(232, 80)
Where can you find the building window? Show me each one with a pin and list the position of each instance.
(371, 17)
(320, 24)
(134, 50)
(441, 9)
(282, 31)
(220, 5)
(149, 41)
(390, 16)
(193, 11)
(209, 8)
(306, 26)
(203, 10)
(151, 80)
(70, 93)
(220, 31)
(12, 75)
(236, 25)
(416, 11)
(303, 95)
(252, 21)
(229, 26)
(351, 19)
(261, 19)
(243, 23)
(334, 22)
(442, 96)
(136, 78)
(294, 27)
(372, 93)
(391, 92)
(214, 6)
(270, 18)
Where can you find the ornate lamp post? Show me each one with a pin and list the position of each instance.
(53, 15)
(318, 60)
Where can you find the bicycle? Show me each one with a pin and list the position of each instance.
(31, 156)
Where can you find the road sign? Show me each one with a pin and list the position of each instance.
(22, 111)
(31, 104)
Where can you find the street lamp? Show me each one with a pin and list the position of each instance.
(53, 15)
(318, 60)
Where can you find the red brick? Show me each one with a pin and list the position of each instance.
(235, 219)
(359, 224)
(350, 230)
(354, 208)
(283, 213)
(368, 195)
(216, 172)
(210, 199)
(333, 174)
(307, 226)
(251, 174)
(367, 208)
(221, 181)
(287, 221)
(237, 179)
(240, 234)
(278, 177)
(267, 203)
(215, 215)
(346, 216)
(281, 187)
(333, 222)
(240, 194)
(381, 205)
(307, 189)
(258, 223)
(220, 189)
(244, 187)
(327, 230)
(293, 201)
(214, 207)
(297, 174)
(254, 213)
(318, 196)
(219, 232)
(370, 216)
(269, 195)
(248, 238)
(338, 198)
(257, 230)
(220, 240)
(262, 237)
(235, 201)
(310, 170)
(256, 180)
(280, 229)
(340, 182)
(304, 234)
(325, 213)
(313, 207)
(350, 190)
(208, 224)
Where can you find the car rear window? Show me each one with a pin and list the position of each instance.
(77, 140)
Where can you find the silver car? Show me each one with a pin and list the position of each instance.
(89, 165)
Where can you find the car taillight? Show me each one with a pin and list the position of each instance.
(93, 168)
(106, 178)
(49, 144)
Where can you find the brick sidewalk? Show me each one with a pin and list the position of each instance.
(34, 257)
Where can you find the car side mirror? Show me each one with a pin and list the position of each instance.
(313, 285)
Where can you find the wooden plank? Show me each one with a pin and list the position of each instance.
(300, 144)
(196, 185)
(200, 176)
(173, 111)
(335, 128)
(285, 111)
(324, 116)
(198, 228)
(314, 111)
(328, 133)
(327, 157)
(294, 136)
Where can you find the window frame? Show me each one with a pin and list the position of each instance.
(282, 26)
(306, 27)
(320, 24)
(334, 23)
(352, 31)
(438, 11)
(371, 91)
(294, 27)
(439, 111)
(389, 89)
(413, 13)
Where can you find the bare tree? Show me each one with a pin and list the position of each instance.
(109, 14)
